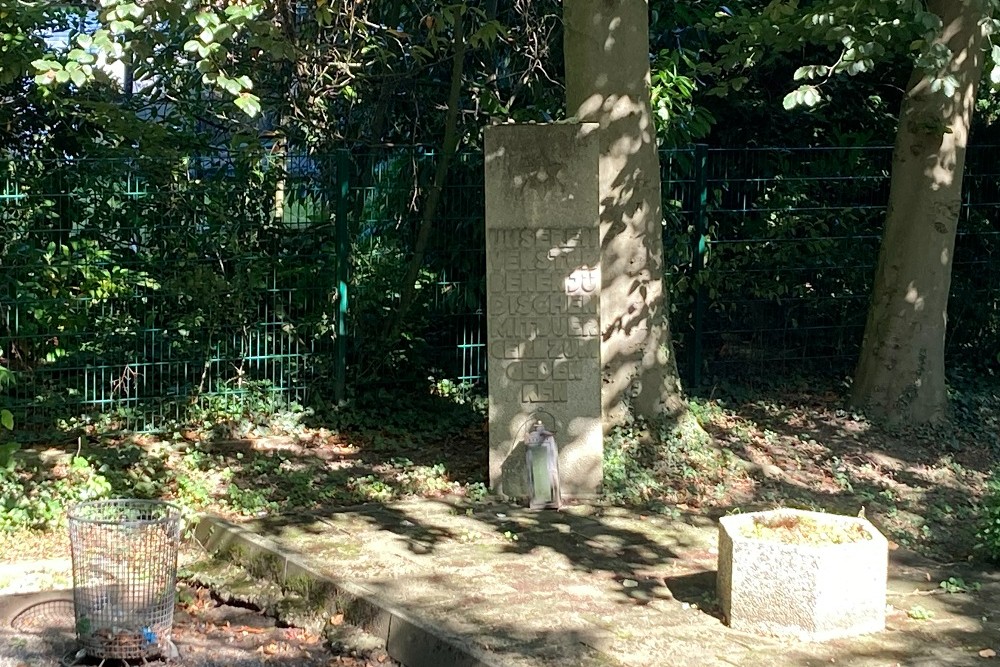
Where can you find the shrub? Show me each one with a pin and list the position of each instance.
(988, 537)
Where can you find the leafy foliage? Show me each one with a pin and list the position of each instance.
(7, 449)
(27, 503)
(988, 536)
(145, 36)
(677, 90)
(124, 263)
(179, 259)
(451, 283)
(859, 35)
(681, 120)
(957, 585)
(650, 464)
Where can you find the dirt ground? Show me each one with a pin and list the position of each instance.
(210, 632)
(799, 444)
(207, 631)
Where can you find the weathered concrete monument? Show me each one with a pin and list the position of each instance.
(543, 253)
(803, 574)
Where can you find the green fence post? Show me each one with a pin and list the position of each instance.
(343, 273)
(699, 248)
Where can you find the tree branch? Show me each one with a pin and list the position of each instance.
(407, 292)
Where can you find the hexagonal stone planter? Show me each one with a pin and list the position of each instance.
(783, 572)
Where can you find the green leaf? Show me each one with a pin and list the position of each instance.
(102, 39)
(121, 27)
(206, 18)
(802, 96)
(44, 65)
(248, 104)
(78, 77)
(7, 451)
(810, 72)
(7, 419)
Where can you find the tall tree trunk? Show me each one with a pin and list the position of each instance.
(608, 81)
(901, 374)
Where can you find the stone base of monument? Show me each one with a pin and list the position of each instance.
(802, 574)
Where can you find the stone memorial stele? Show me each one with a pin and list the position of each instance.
(543, 278)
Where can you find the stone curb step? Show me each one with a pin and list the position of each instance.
(412, 642)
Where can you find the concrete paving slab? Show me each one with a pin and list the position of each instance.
(498, 585)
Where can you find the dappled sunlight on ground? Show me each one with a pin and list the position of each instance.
(398, 503)
(920, 486)
(768, 447)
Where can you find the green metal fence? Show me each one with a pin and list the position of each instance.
(770, 255)
(787, 241)
(143, 290)
(445, 333)
(773, 252)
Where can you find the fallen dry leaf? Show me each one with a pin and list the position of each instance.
(337, 619)
(987, 653)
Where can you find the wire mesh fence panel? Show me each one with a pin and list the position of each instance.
(974, 304)
(147, 290)
(793, 242)
(142, 290)
(443, 334)
(124, 576)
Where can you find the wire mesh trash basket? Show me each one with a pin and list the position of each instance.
(124, 576)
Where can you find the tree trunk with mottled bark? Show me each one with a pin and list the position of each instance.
(900, 376)
(608, 81)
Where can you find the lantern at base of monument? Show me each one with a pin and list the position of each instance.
(543, 468)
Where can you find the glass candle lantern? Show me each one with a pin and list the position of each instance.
(543, 468)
